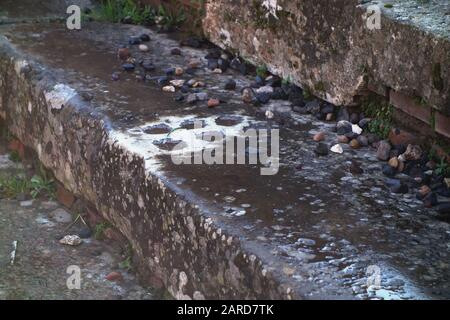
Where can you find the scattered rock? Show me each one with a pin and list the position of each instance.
(192, 98)
(321, 149)
(144, 37)
(213, 102)
(263, 97)
(388, 170)
(26, 203)
(363, 141)
(401, 166)
(401, 137)
(269, 114)
(114, 276)
(354, 144)
(447, 182)
(343, 114)
(430, 200)
(71, 240)
(396, 186)
(423, 191)
(238, 65)
(337, 148)
(128, 66)
(143, 48)
(230, 85)
(312, 107)
(247, 95)
(329, 117)
(177, 83)
(85, 233)
(194, 63)
(343, 127)
(115, 76)
(175, 52)
(342, 139)
(123, 53)
(383, 150)
(319, 136)
(160, 128)
(355, 168)
(148, 66)
(168, 89)
(364, 122)
(413, 152)
(393, 162)
(134, 41)
(354, 118)
(356, 129)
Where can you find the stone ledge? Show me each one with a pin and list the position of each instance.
(326, 46)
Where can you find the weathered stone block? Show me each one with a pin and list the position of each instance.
(327, 46)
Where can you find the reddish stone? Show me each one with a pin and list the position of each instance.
(319, 136)
(114, 276)
(213, 103)
(123, 53)
(64, 196)
(401, 137)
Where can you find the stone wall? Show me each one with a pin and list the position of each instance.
(326, 46)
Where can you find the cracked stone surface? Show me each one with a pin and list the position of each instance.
(313, 230)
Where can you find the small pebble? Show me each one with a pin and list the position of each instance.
(213, 103)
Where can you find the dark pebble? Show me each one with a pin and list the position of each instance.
(144, 37)
(134, 41)
(175, 52)
(263, 97)
(162, 81)
(430, 200)
(279, 94)
(388, 170)
(128, 66)
(169, 71)
(321, 149)
(85, 233)
(213, 64)
(223, 64)
(148, 66)
(115, 76)
(230, 85)
(343, 114)
(354, 118)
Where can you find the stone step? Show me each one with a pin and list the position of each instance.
(313, 230)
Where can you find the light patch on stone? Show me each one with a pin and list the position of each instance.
(59, 96)
(226, 34)
(19, 65)
(136, 141)
(272, 7)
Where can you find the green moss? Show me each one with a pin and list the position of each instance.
(382, 114)
(319, 86)
(388, 5)
(438, 83)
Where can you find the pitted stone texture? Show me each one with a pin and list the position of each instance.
(326, 46)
